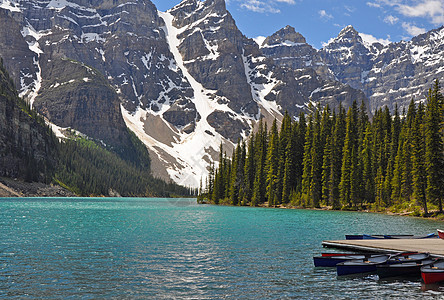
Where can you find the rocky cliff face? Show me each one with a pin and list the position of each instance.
(79, 61)
(27, 148)
(387, 74)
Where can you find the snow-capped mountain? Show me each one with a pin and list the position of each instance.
(387, 74)
(184, 81)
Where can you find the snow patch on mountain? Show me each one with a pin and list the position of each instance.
(261, 90)
(10, 5)
(368, 40)
(187, 169)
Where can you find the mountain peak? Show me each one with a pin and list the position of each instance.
(347, 37)
(348, 30)
(287, 34)
(192, 6)
(198, 3)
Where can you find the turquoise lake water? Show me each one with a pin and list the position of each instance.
(175, 249)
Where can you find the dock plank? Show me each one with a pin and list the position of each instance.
(434, 246)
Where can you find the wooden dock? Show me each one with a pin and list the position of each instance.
(434, 246)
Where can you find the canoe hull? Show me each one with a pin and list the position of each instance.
(395, 272)
(433, 273)
(332, 261)
(402, 269)
(361, 265)
(432, 277)
(343, 270)
(326, 261)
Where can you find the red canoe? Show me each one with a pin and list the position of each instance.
(433, 273)
(441, 234)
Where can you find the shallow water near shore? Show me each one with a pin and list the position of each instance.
(175, 248)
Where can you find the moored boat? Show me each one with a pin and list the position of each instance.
(433, 273)
(332, 261)
(361, 265)
(328, 254)
(389, 236)
(402, 269)
(427, 236)
(408, 257)
(370, 264)
(440, 233)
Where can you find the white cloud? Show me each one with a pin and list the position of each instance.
(372, 4)
(259, 7)
(391, 20)
(370, 39)
(287, 1)
(432, 9)
(350, 9)
(412, 29)
(324, 15)
(264, 6)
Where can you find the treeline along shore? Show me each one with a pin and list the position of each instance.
(340, 160)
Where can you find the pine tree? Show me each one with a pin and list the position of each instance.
(236, 176)
(406, 161)
(348, 170)
(285, 136)
(300, 130)
(326, 171)
(367, 166)
(287, 186)
(434, 147)
(336, 161)
(316, 154)
(249, 170)
(307, 167)
(273, 166)
(259, 186)
(418, 160)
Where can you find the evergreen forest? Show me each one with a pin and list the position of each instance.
(339, 160)
(88, 169)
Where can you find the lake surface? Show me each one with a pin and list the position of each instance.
(174, 248)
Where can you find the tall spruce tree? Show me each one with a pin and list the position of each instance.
(418, 160)
(316, 153)
(300, 134)
(273, 167)
(348, 170)
(367, 166)
(259, 186)
(307, 167)
(434, 147)
(285, 136)
(336, 156)
(249, 170)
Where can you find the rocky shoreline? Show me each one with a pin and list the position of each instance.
(17, 188)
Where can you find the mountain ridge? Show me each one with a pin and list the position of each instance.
(184, 81)
(364, 65)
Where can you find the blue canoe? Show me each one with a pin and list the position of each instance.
(388, 236)
(361, 265)
(403, 269)
(370, 264)
(332, 261)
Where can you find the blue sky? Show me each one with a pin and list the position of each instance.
(321, 20)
